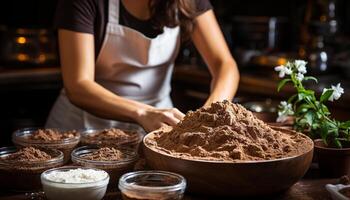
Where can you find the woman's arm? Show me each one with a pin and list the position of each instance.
(78, 69)
(210, 42)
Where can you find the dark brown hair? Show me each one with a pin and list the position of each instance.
(172, 13)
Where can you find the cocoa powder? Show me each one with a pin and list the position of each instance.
(28, 154)
(105, 154)
(227, 132)
(52, 135)
(110, 134)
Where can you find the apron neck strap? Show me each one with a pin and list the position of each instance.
(113, 11)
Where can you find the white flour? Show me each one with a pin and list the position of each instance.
(76, 176)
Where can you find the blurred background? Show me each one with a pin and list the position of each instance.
(261, 35)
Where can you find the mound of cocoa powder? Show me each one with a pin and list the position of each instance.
(110, 134)
(105, 154)
(112, 137)
(52, 135)
(28, 154)
(227, 132)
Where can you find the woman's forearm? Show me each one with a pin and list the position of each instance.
(98, 101)
(224, 83)
(78, 72)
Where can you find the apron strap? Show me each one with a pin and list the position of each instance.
(113, 11)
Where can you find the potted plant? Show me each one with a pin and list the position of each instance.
(311, 115)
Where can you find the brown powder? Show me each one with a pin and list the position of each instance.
(227, 132)
(105, 154)
(110, 134)
(52, 135)
(26, 154)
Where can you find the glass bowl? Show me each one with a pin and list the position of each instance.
(152, 185)
(132, 141)
(21, 138)
(25, 176)
(114, 168)
(57, 190)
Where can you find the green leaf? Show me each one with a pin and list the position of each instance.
(307, 95)
(325, 110)
(291, 99)
(309, 117)
(345, 125)
(325, 96)
(282, 83)
(303, 108)
(324, 132)
(337, 143)
(306, 78)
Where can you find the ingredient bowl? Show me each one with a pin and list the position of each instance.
(72, 183)
(24, 138)
(246, 178)
(24, 175)
(113, 137)
(115, 168)
(152, 185)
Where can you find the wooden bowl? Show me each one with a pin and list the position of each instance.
(244, 179)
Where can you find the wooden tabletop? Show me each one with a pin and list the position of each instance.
(306, 189)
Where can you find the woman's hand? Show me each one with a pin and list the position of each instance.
(152, 118)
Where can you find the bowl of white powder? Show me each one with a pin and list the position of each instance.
(70, 183)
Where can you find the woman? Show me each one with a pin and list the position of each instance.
(117, 58)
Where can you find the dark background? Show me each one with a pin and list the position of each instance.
(24, 105)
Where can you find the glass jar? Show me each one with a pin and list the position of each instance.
(25, 175)
(152, 185)
(132, 141)
(22, 138)
(57, 190)
(115, 168)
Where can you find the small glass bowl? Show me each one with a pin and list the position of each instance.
(115, 169)
(152, 185)
(25, 176)
(72, 191)
(131, 142)
(21, 139)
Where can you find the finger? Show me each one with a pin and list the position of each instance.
(178, 114)
(170, 119)
(155, 126)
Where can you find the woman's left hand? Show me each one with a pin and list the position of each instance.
(152, 118)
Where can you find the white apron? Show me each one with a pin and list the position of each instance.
(129, 64)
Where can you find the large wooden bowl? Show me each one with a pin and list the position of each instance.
(255, 178)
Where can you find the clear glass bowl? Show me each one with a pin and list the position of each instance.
(133, 141)
(21, 138)
(25, 176)
(152, 185)
(115, 169)
(73, 191)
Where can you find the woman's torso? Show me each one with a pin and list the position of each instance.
(91, 16)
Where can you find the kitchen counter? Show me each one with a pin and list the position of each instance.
(310, 189)
(260, 83)
(250, 82)
(30, 78)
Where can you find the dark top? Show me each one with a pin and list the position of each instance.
(91, 16)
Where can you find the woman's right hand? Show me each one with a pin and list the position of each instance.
(152, 118)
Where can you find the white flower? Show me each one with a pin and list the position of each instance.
(285, 110)
(301, 66)
(286, 107)
(283, 70)
(300, 76)
(284, 104)
(337, 92)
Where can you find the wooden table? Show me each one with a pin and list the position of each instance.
(306, 189)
